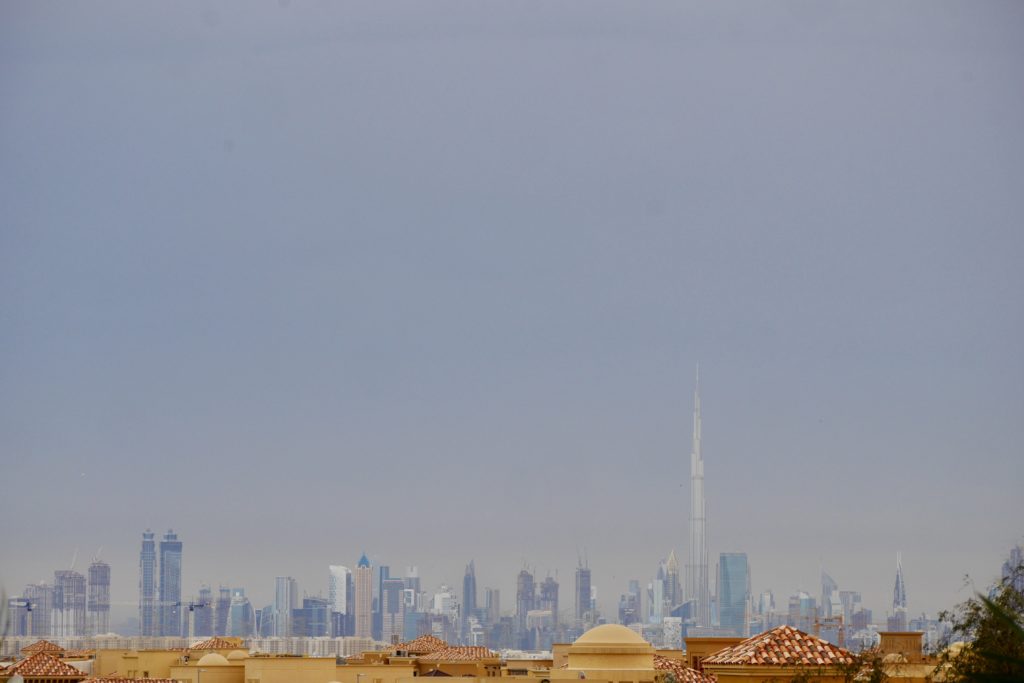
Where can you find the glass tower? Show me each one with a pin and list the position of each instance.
(733, 592)
(170, 584)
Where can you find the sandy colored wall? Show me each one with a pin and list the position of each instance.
(234, 673)
(373, 673)
(291, 669)
(137, 664)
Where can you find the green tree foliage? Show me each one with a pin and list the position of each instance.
(991, 628)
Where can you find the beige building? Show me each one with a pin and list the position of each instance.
(363, 580)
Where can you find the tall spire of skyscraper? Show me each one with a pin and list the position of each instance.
(899, 593)
(697, 562)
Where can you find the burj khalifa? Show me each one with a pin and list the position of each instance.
(697, 562)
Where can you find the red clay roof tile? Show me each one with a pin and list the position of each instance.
(783, 645)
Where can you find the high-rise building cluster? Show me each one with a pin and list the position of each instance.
(694, 597)
(75, 605)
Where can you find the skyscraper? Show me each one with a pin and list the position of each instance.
(734, 593)
(222, 610)
(525, 598)
(831, 606)
(69, 601)
(672, 590)
(828, 588)
(40, 597)
(492, 603)
(392, 601)
(148, 613)
(898, 621)
(338, 588)
(286, 600)
(383, 573)
(203, 616)
(98, 606)
(697, 563)
(469, 591)
(582, 594)
(241, 620)
(170, 585)
(312, 620)
(548, 598)
(364, 598)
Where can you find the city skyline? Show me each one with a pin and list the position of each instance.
(300, 281)
(901, 612)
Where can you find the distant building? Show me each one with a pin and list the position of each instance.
(468, 596)
(68, 617)
(582, 594)
(548, 599)
(492, 604)
(340, 592)
(98, 602)
(851, 602)
(312, 620)
(392, 600)
(697, 579)
(40, 597)
(19, 616)
(203, 615)
(898, 620)
(363, 581)
(222, 610)
(170, 585)
(241, 618)
(286, 600)
(673, 590)
(629, 609)
(803, 610)
(149, 623)
(734, 593)
(525, 599)
(382, 573)
(829, 595)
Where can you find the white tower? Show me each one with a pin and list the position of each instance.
(697, 562)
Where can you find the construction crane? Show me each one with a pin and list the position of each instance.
(192, 607)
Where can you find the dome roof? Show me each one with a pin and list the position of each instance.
(610, 634)
(235, 655)
(212, 659)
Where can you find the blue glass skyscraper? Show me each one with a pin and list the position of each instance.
(733, 592)
(170, 585)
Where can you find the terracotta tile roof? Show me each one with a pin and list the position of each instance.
(42, 664)
(77, 654)
(421, 646)
(683, 673)
(119, 679)
(465, 653)
(783, 645)
(41, 646)
(216, 643)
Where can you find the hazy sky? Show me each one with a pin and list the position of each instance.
(429, 280)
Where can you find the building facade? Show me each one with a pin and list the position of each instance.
(286, 601)
(170, 585)
(68, 617)
(98, 604)
(148, 613)
(697, 563)
(363, 581)
(734, 593)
